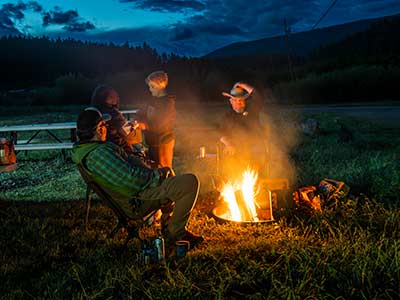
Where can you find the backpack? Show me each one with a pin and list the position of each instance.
(7, 153)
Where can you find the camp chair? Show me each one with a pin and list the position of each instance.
(123, 219)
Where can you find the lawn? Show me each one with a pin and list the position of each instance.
(351, 250)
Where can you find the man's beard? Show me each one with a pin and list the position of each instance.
(239, 110)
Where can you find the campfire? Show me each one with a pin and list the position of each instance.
(243, 200)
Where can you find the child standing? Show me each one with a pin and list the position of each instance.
(160, 115)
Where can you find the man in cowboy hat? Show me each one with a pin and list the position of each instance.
(241, 132)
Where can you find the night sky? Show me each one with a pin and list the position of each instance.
(193, 28)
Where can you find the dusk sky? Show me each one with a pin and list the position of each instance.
(193, 27)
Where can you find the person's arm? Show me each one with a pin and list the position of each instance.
(130, 131)
(141, 118)
(110, 165)
(247, 87)
(229, 147)
(164, 172)
(225, 131)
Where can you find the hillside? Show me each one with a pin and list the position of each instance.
(381, 39)
(301, 43)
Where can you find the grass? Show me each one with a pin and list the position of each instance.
(349, 251)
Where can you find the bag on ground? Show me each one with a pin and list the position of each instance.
(7, 153)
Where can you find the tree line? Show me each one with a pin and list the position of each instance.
(29, 61)
(66, 70)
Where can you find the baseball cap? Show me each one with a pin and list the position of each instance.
(89, 118)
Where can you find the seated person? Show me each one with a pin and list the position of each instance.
(137, 189)
(120, 132)
(241, 132)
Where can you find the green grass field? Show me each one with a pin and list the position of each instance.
(349, 251)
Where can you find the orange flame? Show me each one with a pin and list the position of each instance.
(248, 188)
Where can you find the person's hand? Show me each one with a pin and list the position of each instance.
(135, 124)
(229, 150)
(165, 172)
(247, 87)
(139, 125)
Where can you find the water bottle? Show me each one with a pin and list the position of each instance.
(159, 247)
(145, 254)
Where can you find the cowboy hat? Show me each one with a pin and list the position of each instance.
(237, 92)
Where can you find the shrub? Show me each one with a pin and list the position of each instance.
(68, 89)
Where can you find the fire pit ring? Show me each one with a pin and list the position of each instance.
(219, 211)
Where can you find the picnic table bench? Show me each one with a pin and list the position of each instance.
(56, 142)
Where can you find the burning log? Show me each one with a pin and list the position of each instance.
(240, 199)
(244, 211)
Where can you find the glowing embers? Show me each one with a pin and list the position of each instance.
(243, 201)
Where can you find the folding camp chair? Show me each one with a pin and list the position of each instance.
(123, 220)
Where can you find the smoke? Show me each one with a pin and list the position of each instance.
(197, 124)
(197, 120)
(282, 136)
(200, 108)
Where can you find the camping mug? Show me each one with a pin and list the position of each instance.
(181, 248)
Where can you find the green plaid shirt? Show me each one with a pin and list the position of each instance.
(122, 176)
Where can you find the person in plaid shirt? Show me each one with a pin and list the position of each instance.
(137, 189)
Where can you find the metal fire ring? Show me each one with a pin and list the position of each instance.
(217, 215)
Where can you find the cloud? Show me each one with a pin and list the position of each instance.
(79, 26)
(58, 17)
(70, 19)
(234, 20)
(161, 38)
(203, 25)
(189, 30)
(167, 5)
(12, 18)
(181, 33)
(222, 22)
(11, 14)
(35, 6)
